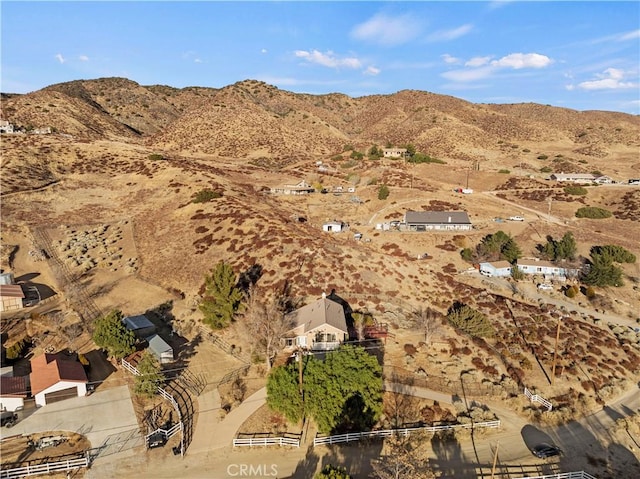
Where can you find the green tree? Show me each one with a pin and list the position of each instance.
(150, 377)
(332, 472)
(566, 248)
(593, 212)
(222, 299)
(375, 152)
(603, 272)
(111, 334)
(615, 253)
(467, 254)
(469, 320)
(343, 391)
(283, 392)
(383, 192)
(499, 245)
(517, 273)
(411, 149)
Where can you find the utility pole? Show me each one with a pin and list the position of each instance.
(495, 460)
(555, 352)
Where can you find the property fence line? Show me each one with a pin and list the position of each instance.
(225, 346)
(266, 441)
(167, 433)
(46, 468)
(539, 399)
(357, 436)
(563, 475)
(232, 375)
(166, 395)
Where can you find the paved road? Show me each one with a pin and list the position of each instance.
(105, 418)
(457, 458)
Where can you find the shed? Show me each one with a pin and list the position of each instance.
(140, 325)
(160, 349)
(54, 378)
(333, 226)
(13, 391)
(11, 296)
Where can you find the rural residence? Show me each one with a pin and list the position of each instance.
(437, 221)
(13, 392)
(546, 268)
(11, 296)
(497, 268)
(320, 326)
(394, 152)
(302, 188)
(333, 226)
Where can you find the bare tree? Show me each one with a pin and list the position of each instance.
(427, 321)
(266, 322)
(402, 459)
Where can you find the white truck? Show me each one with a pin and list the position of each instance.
(516, 218)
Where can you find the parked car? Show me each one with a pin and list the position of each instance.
(545, 287)
(157, 439)
(516, 218)
(545, 450)
(8, 418)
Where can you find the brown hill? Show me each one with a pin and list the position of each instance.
(251, 119)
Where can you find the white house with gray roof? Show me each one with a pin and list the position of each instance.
(437, 221)
(319, 326)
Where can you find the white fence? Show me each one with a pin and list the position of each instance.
(45, 468)
(356, 436)
(563, 475)
(266, 441)
(168, 433)
(538, 399)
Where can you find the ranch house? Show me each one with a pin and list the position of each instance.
(393, 152)
(546, 268)
(320, 326)
(301, 188)
(437, 221)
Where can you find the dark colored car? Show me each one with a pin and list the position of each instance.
(545, 450)
(8, 419)
(156, 440)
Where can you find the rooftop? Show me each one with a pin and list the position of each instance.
(318, 313)
(49, 369)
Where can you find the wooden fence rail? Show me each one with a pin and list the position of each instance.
(46, 468)
(357, 436)
(563, 475)
(539, 399)
(266, 441)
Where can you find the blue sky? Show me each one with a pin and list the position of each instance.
(580, 55)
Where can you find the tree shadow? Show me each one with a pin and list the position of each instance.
(25, 278)
(354, 457)
(450, 461)
(306, 468)
(100, 368)
(355, 416)
(249, 278)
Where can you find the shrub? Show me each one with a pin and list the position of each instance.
(383, 192)
(83, 360)
(469, 320)
(504, 171)
(575, 190)
(422, 158)
(156, 157)
(336, 158)
(348, 147)
(467, 254)
(526, 150)
(590, 293)
(546, 169)
(16, 349)
(542, 157)
(349, 164)
(592, 212)
(206, 195)
(356, 155)
(615, 253)
(571, 292)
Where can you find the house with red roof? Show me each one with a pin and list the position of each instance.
(55, 378)
(13, 391)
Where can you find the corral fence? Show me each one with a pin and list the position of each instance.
(232, 375)
(133, 370)
(539, 399)
(357, 436)
(166, 433)
(267, 441)
(563, 475)
(45, 468)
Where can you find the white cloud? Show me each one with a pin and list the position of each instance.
(498, 4)
(371, 70)
(610, 79)
(197, 60)
(468, 75)
(477, 61)
(387, 30)
(83, 58)
(449, 59)
(60, 58)
(523, 60)
(570, 87)
(629, 36)
(328, 59)
(445, 35)
(264, 50)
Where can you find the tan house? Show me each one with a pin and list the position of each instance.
(11, 296)
(301, 188)
(319, 326)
